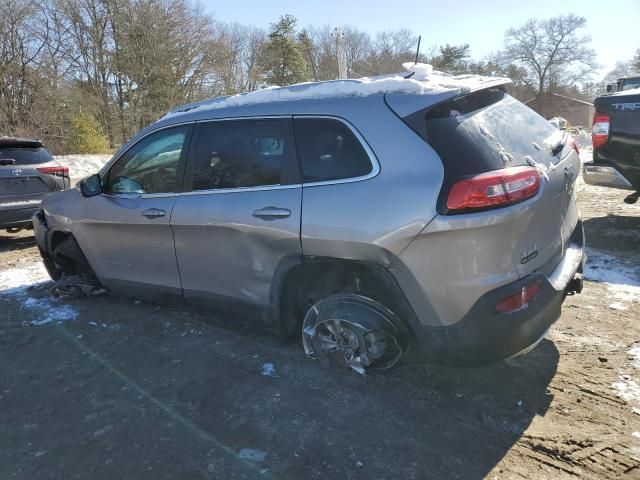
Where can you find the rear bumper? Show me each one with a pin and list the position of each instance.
(485, 336)
(604, 175)
(17, 217)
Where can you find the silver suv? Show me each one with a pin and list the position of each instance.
(379, 219)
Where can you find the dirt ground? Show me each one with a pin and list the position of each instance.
(125, 389)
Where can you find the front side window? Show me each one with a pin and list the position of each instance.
(329, 150)
(244, 153)
(151, 165)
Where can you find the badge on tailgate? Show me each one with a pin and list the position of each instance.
(529, 254)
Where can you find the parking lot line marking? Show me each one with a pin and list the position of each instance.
(185, 422)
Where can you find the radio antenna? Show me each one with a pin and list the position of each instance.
(417, 50)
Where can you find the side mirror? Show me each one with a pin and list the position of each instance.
(609, 88)
(91, 186)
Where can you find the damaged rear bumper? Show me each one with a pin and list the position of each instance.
(485, 335)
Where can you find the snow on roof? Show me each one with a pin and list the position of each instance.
(421, 79)
(633, 91)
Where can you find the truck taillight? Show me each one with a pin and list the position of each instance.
(57, 171)
(493, 189)
(600, 129)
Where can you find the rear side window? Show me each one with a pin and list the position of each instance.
(329, 150)
(24, 156)
(244, 153)
(487, 130)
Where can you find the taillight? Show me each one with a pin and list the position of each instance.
(493, 189)
(519, 301)
(575, 146)
(57, 171)
(600, 129)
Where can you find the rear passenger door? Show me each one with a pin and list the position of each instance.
(241, 217)
(340, 218)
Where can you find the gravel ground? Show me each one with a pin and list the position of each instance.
(109, 387)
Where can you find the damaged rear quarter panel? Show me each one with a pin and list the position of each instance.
(374, 219)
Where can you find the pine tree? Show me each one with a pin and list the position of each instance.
(283, 56)
(452, 57)
(86, 135)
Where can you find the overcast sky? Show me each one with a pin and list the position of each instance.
(613, 25)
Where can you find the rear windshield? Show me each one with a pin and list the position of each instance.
(24, 156)
(489, 130)
(630, 84)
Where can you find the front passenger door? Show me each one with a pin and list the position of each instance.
(126, 235)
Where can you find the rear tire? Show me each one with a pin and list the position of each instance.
(352, 331)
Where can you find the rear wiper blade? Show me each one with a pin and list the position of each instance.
(7, 161)
(556, 142)
(558, 149)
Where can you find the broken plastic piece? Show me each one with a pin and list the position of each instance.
(76, 285)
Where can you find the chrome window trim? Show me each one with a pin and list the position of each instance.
(242, 189)
(375, 164)
(141, 195)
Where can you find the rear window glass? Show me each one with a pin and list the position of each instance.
(25, 156)
(630, 84)
(489, 130)
(329, 150)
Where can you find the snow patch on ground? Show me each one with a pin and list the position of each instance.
(15, 282)
(622, 279)
(627, 387)
(618, 306)
(634, 352)
(81, 166)
(268, 369)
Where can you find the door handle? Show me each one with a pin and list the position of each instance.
(271, 213)
(154, 213)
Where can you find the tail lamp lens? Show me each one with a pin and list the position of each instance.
(519, 301)
(493, 189)
(57, 171)
(600, 129)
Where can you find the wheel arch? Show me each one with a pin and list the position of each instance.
(300, 281)
(63, 249)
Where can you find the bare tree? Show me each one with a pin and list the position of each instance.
(238, 54)
(21, 48)
(636, 61)
(391, 49)
(123, 63)
(552, 52)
